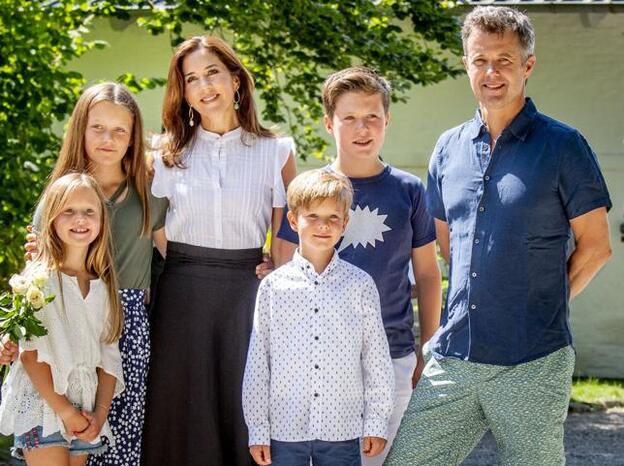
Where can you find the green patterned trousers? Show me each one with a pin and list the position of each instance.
(456, 401)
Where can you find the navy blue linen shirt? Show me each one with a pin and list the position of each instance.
(387, 220)
(509, 221)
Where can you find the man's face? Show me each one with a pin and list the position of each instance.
(497, 69)
(358, 125)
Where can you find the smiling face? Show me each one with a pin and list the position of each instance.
(497, 70)
(209, 87)
(320, 226)
(79, 221)
(358, 125)
(108, 134)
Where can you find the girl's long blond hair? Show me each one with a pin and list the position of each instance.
(73, 156)
(99, 260)
(175, 114)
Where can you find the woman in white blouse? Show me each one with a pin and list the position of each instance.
(224, 175)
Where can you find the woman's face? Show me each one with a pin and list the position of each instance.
(209, 87)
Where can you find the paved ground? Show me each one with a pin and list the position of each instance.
(591, 439)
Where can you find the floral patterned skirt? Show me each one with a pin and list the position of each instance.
(127, 410)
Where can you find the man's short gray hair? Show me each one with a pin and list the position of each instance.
(498, 20)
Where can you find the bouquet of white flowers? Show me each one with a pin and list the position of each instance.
(18, 308)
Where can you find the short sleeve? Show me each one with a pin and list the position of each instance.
(434, 202)
(158, 211)
(160, 183)
(582, 187)
(110, 362)
(423, 228)
(285, 232)
(285, 147)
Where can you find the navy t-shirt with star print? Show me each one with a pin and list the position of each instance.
(387, 219)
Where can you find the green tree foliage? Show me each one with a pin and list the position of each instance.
(36, 90)
(289, 45)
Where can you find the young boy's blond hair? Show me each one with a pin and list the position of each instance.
(355, 79)
(318, 185)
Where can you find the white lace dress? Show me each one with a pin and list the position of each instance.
(73, 349)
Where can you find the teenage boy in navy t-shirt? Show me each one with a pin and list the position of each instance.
(389, 227)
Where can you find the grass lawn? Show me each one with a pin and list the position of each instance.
(599, 392)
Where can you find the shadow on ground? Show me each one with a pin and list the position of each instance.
(591, 439)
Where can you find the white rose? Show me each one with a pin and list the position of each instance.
(19, 284)
(35, 297)
(40, 278)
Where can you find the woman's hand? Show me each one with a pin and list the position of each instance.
(265, 267)
(31, 247)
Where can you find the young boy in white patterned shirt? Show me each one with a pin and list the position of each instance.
(319, 375)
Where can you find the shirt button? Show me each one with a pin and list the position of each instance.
(487, 177)
(316, 283)
(481, 209)
(473, 306)
(473, 274)
(476, 241)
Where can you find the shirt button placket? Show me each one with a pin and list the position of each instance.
(315, 362)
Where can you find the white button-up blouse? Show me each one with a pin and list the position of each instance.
(224, 196)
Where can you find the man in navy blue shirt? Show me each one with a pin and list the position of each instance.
(389, 228)
(507, 190)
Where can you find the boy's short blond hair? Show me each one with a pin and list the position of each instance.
(318, 185)
(355, 79)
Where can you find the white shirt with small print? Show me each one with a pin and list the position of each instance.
(319, 365)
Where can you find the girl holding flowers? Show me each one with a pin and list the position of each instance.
(57, 395)
(105, 138)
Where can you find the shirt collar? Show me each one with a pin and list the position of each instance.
(519, 126)
(236, 133)
(307, 268)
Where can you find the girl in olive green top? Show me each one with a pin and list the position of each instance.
(105, 138)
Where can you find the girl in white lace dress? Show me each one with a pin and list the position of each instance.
(57, 395)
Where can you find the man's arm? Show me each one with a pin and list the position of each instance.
(442, 234)
(593, 248)
(429, 295)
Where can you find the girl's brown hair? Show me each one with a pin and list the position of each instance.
(175, 114)
(73, 156)
(99, 259)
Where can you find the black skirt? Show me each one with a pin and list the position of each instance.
(201, 323)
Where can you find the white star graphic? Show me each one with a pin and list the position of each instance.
(364, 228)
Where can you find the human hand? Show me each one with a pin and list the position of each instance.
(31, 244)
(95, 426)
(261, 454)
(265, 267)
(8, 351)
(420, 366)
(372, 446)
(74, 421)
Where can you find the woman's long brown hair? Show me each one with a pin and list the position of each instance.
(175, 115)
(73, 156)
(99, 260)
